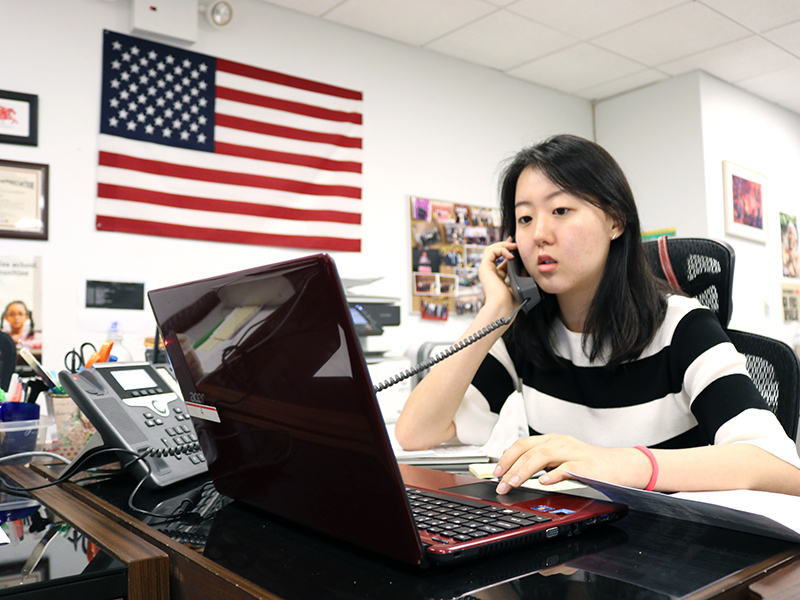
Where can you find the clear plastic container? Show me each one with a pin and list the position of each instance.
(23, 436)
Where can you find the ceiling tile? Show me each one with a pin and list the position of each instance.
(414, 22)
(667, 36)
(502, 40)
(736, 61)
(780, 86)
(588, 18)
(576, 68)
(759, 16)
(309, 7)
(619, 86)
(787, 37)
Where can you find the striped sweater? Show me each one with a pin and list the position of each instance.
(689, 388)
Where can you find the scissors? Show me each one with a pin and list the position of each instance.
(74, 360)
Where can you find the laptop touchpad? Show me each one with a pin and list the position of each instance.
(485, 490)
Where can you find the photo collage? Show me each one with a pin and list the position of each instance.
(447, 243)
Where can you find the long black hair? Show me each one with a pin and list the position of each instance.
(629, 305)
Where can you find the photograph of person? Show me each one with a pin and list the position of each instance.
(17, 321)
(789, 250)
(623, 379)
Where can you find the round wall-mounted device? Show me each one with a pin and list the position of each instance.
(218, 13)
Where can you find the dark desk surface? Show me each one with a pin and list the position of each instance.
(641, 557)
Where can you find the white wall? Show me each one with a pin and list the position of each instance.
(655, 134)
(765, 138)
(433, 126)
(671, 139)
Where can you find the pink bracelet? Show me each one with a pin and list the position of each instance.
(652, 483)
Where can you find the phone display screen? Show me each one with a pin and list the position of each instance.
(133, 379)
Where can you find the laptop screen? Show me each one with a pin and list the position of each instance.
(272, 373)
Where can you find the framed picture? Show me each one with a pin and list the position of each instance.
(19, 118)
(23, 200)
(745, 202)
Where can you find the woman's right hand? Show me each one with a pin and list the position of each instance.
(493, 275)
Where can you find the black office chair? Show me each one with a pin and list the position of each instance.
(703, 269)
(8, 359)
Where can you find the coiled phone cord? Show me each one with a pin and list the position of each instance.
(457, 347)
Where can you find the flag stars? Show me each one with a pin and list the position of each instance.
(158, 95)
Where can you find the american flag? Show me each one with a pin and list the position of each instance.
(203, 148)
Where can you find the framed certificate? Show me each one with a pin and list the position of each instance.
(23, 200)
(19, 119)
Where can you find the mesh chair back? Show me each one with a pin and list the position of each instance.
(703, 268)
(775, 370)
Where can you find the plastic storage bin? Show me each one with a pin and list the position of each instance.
(23, 436)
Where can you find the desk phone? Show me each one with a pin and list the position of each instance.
(137, 406)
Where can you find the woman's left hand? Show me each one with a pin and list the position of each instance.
(561, 455)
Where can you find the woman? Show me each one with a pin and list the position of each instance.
(621, 380)
(17, 321)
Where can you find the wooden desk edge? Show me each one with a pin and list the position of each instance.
(192, 575)
(148, 566)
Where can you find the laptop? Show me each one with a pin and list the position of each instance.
(276, 383)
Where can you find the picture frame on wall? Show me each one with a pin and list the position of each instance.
(745, 194)
(23, 200)
(19, 118)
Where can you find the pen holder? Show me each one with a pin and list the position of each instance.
(21, 429)
(73, 428)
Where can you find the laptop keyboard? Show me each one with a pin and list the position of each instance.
(447, 518)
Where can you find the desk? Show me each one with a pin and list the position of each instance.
(249, 555)
(147, 566)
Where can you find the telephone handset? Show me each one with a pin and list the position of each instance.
(526, 293)
(525, 290)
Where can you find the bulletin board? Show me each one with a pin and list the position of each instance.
(447, 243)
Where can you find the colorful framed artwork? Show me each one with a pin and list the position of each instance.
(19, 118)
(745, 193)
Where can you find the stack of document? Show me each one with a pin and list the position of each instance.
(445, 457)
